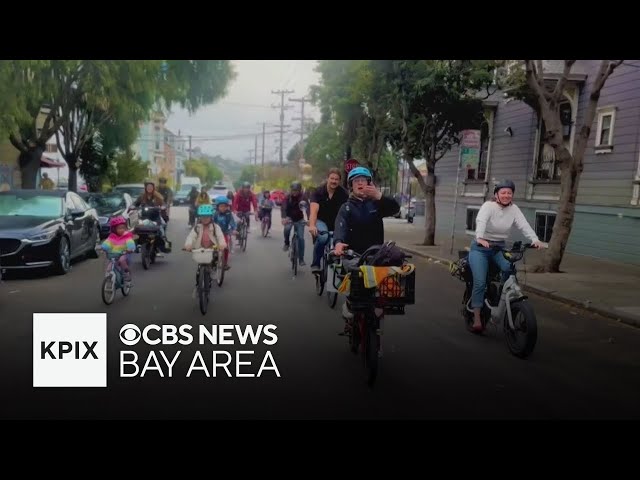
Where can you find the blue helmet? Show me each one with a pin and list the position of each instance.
(222, 199)
(359, 172)
(205, 210)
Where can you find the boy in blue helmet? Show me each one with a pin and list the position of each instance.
(359, 222)
(224, 219)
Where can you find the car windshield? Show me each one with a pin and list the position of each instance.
(112, 202)
(28, 205)
(133, 191)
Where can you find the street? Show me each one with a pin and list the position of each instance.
(584, 366)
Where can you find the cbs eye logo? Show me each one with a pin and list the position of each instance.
(130, 334)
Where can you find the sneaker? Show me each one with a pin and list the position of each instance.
(346, 314)
(285, 248)
(160, 255)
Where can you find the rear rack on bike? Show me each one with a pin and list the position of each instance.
(392, 294)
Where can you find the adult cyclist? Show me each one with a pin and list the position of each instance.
(242, 202)
(292, 214)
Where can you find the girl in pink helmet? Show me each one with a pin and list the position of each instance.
(120, 243)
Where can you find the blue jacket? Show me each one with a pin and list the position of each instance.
(359, 223)
(226, 221)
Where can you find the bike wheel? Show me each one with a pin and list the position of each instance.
(126, 289)
(371, 345)
(203, 290)
(264, 229)
(244, 238)
(144, 253)
(220, 269)
(522, 341)
(294, 255)
(109, 289)
(152, 254)
(321, 277)
(466, 314)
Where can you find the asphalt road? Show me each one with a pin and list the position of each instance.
(584, 366)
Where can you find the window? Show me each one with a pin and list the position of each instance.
(472, 213)
(544, 225)
(52, 148)
(604, 134)
(547, 167)
(157, 145)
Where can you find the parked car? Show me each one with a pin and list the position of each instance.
(46, 228)
(133, 189)
(109, 205)
(182, 196)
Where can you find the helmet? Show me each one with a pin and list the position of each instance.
(359, 172)
(205, 210)
(504, 184)
(149, 182)
(246, 185)
(296, 186)
(222, 199)
(115, 221)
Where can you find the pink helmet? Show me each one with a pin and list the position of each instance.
(115, 221)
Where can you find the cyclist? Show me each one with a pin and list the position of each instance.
(151, 198)
(203, 198)
(243, 201)
(120, 241)
(493, 223)
(224, 219)
(167, 195)
(359, 222)
(205, 234)
(266, 207)
(326, 200)
(292, 214)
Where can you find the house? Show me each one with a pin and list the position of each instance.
(607, 218)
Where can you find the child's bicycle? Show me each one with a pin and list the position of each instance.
(207, 260)
(114, 280)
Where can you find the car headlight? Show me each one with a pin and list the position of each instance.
(42, 237)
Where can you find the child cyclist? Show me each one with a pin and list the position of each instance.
(225, 220)
(120, 244)
(205, 234)
(266, 205)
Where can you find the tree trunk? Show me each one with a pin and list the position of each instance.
(430, 210)
(29, 162)
(72, 162)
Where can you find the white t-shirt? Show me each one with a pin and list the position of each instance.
(494, 222)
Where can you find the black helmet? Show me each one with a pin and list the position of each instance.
(246, 184)
(504, 184)
(296, 186)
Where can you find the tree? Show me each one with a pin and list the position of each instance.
(545, 96)
(205, 170)
(432, 101)
(128, 168)
(323, 149)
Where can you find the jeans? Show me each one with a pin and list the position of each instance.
(479, 259)
(300, 231)
(321, 241)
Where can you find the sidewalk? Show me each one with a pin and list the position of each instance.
(608, 288)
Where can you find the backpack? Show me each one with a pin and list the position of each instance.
(385, 255)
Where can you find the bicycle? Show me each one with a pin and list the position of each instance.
(206, 261)
(243, 226)
(504, 302)
(293, 250)
(114, 280)
(266, 225)
(389, 297)
(322, 275)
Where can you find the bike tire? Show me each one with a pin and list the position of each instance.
(108, 289)
(370, 353)
(265, 229)
(220, 269)
(203, 293)
(144, 253)
(294, 256)
(321, 277)
(126, 290)
(152, 254)
(244, 238)
(526, 322)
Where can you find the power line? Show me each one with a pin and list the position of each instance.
(282, 107)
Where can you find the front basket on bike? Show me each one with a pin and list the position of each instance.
(202, 256)
(392, 294)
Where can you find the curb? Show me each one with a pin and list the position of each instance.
(632, 320)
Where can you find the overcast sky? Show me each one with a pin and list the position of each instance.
(248, 104)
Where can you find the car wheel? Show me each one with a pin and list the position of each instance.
(62, 263)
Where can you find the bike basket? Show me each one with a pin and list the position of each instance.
(202, 256)
(460, 268)
(391, 294)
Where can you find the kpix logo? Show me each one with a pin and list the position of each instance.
(69, 350)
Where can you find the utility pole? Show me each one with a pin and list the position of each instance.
(189, 147)
(302, 101)
(282, 107)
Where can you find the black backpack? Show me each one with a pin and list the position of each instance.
(385, 255)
